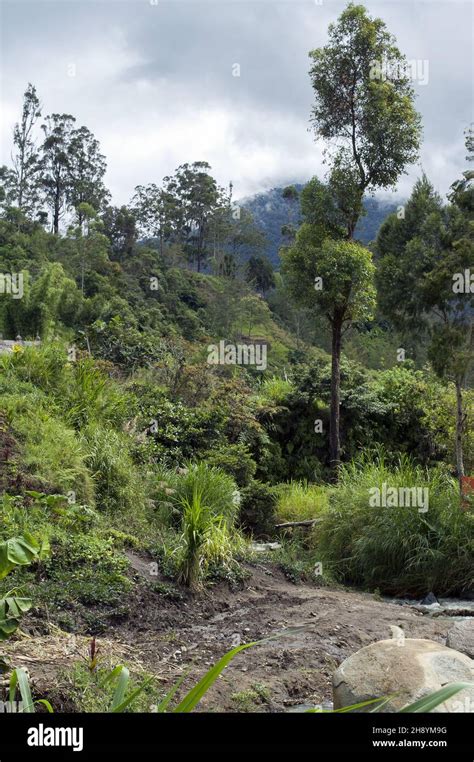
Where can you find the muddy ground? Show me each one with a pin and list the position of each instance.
(170, 634)
(294, 669)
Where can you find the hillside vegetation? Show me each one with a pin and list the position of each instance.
(167, 397)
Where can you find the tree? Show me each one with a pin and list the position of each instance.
(120, 227)
(156, 211)
(252, 311)
(449, 295)
(243, 235)
(259, 272)
(86, 167)
(319, 208)
(398, 255)
(56, 165)
(364, 108)
(425, 262)
(90, 252)
(198, 197)
(23, 179)
(335, 279)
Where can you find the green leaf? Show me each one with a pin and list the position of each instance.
(428, 703)
(195, 694)
(17, 606)
(45, 703)
(17, 551)
(20, 678)
(132, 696)
(7, 628)
(121, 687)
(112, 674)
(11, 609)
(162, 706)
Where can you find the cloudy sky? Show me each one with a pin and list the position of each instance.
(154, 80)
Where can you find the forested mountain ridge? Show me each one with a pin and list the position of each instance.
(271, 211)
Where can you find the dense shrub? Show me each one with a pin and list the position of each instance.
(235, 460)
(257, 509)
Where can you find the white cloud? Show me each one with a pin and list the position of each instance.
(155, 83)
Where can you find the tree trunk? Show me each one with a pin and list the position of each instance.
(57, 207)
(334, 442)
(459, 431)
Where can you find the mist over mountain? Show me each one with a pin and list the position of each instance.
(271, 211)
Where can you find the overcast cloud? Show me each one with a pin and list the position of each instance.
(155, 83)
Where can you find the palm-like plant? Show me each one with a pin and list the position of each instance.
(201, 529)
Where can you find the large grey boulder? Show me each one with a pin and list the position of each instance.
(411, 668)
(461, 637)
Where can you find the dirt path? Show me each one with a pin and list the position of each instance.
(172, 636)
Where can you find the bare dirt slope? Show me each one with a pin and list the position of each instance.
(166, 631)
(174, 636)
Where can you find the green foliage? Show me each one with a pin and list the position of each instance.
(204, 538)
(17, 551)
(118, 484)
(214, 488)
(399, 550)
(179, 432)
(346, 271)
(257, 509)
(236, 460)
(298, 501)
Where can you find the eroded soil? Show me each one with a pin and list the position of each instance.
(169, 632)
(294, 669)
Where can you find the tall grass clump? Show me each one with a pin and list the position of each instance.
(93, 396)
(79, 390)
(400, 550)
(204, 538)
(48, 451)
(275, 389)
(44, 366)
(119, 485)
(298, 501)
(218, 490)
